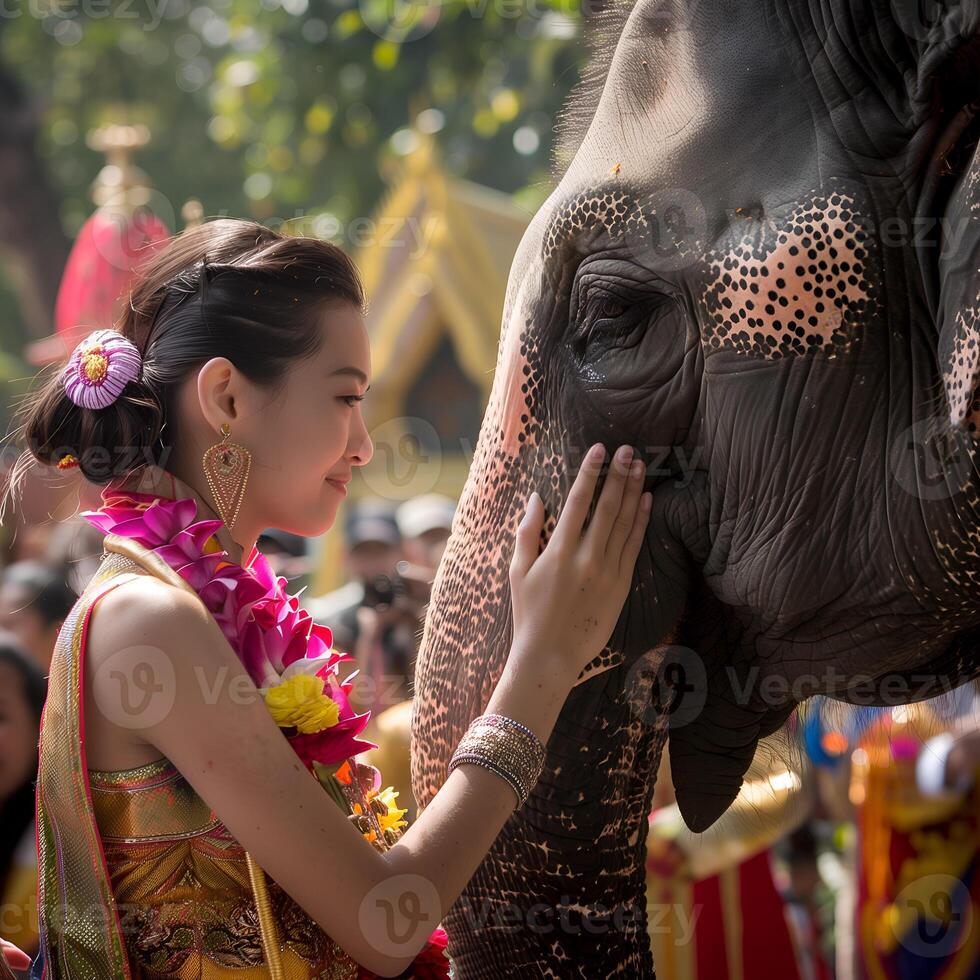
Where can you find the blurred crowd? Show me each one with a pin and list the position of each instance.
(39, 580)
(851, 852)
(390, 561)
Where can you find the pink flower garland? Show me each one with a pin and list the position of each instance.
(273, 637)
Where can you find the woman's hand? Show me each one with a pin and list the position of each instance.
(567, 599)
(15, 958)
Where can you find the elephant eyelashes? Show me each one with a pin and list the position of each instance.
(604, 311)
(618, 324)
(611, 309)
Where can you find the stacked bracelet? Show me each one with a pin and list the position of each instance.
(504, 747)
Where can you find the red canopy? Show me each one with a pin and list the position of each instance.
(109, 248)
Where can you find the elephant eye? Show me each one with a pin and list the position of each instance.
(611, 308)
(601, 314)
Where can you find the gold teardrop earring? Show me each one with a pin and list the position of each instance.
(226, 467)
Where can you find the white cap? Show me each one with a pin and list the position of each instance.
(930, 767)
(423, 513)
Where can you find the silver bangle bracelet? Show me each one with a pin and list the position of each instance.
(520, 791)
(510, 723)
(505, 747)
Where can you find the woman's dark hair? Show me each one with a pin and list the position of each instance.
(226, 288)
(48, 591)
(17, 812)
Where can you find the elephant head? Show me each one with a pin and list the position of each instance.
(759, 267)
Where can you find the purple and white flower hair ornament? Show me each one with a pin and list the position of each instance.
(100, 367)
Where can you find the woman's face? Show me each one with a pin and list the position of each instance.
(18, 733)
(308, 432)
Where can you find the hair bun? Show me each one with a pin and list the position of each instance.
(105, 375)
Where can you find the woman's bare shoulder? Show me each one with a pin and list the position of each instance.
(146, 605)
(136, 637)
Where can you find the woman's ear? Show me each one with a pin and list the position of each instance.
(217, 391)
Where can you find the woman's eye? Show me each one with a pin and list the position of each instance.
(350, 399)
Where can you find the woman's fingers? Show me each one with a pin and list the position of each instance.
(627, 512)
(608, 508)
(631, 550)
(568, 530)
(528, 536)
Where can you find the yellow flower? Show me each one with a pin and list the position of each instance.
(95, 364)
(392, 820)
(301, 703)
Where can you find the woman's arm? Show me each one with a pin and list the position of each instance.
(220, 735)
(211, 722)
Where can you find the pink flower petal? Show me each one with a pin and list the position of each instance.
(324, 747)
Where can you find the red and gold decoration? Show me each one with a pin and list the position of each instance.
(918, 875)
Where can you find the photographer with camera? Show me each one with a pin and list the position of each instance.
(390, 621)
(368, 615)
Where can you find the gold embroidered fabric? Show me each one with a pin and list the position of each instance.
(150, 803)
(166, 888)
(182, 886)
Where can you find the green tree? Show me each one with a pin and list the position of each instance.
(284, 110)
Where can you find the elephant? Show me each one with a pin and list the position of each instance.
(758, 267)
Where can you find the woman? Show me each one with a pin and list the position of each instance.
(22, 689)
(172, 811)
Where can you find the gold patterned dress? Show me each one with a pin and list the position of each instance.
(138, 878)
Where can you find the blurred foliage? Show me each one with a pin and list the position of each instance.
(15, 374)
(285, 110)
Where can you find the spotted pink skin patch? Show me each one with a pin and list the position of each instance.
(614, 211)
(793, 288)
(963, 373)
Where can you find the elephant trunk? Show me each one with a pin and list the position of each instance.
(564, 883)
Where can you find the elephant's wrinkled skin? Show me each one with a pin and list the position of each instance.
(763, 255)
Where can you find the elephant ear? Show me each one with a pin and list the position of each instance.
(936, 49)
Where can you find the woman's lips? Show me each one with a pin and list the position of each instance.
(341, 486)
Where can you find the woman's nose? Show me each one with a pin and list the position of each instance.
(364, 448)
